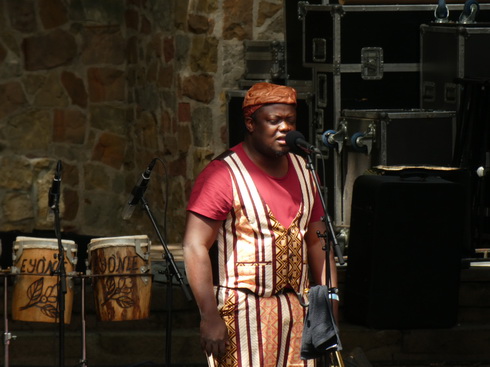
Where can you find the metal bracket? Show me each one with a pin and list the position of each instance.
(337, 9)
(339, 136)
(7, 337)
(301, 9)
(343, 238)
(372, 63)
(364, 140)
(138, 248)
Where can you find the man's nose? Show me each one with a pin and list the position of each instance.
(286, 126)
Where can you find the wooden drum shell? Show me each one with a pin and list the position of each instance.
(35, 293)
(122, 281)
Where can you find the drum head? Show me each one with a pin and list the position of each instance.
(96, 243)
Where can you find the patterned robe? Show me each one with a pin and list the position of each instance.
(262, 274)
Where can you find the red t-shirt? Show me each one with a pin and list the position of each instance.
(212, 194)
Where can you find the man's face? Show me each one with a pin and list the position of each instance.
(268, 128)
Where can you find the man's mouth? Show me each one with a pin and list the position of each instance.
(282, 140)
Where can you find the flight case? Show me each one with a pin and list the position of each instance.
(390, 137)
(402, 137)
(448, 52)
(363, 56)
(366, 56)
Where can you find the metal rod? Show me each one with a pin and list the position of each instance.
(6, 335)
(83, 360)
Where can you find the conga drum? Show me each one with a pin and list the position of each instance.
(35, 293)
(120, 267)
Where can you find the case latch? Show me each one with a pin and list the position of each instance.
(450, 93)
(319, 49)
(428, 91)
(372, 63)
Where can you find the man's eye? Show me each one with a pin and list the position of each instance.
(278, 121)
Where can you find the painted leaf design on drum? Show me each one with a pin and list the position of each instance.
(125, 302)
(50, 311)
(44, 299)
(122, 287)
(34, 293)
(110, 287)
(118, 293)
(51, 294)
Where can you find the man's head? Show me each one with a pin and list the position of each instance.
(263, 93)
(270, 113)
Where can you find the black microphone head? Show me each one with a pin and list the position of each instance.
(291, 139)
(58, 170)
(292, 136)
(55, 190)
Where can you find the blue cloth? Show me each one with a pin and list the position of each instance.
(320, 333)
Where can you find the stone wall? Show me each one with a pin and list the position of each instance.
(104, 87)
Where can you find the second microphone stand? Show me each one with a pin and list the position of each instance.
(170, 272)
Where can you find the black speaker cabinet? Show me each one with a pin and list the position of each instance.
(404, 251)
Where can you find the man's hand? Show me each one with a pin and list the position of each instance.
(214, 335)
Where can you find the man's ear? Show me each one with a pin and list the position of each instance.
(249, 124)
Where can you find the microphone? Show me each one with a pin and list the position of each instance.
(138, 191)
(296, 141)
(54, 191)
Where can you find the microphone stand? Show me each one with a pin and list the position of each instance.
(338, 252)
(54, 198)
(7, 336)
(83, 360)
(326, 218)
(170, 272)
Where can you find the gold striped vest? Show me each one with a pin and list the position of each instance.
(255, 251)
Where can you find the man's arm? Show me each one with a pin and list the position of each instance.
(199, 236)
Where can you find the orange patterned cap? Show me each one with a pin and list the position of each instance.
(264, 93)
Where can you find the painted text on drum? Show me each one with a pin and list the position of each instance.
(114, 264)
(40, 266)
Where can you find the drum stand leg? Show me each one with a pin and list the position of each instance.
(7, 336)
(83, 360)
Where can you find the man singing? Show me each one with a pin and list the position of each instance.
(251, 243)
